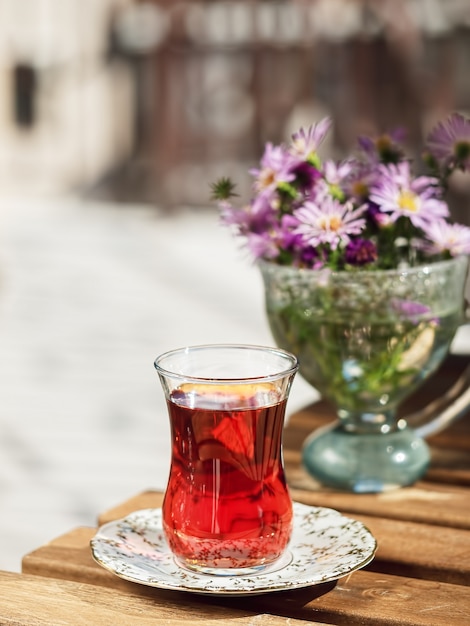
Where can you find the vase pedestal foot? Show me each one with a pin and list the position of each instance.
(365, 462)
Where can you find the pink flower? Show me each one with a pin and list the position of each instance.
(386, 148)
(444, 237)
(449, 142)
(255, 217)
(306, 142)
(399, 195)
(262, 246)
(331, 222)
(276, 167)
(359, 180)
(336, 173)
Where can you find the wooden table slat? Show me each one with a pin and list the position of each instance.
(424, 502)
(364, 597)
(41, 601)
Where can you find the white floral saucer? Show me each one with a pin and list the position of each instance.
(324, 546)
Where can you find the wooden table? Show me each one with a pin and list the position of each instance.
(420, 576)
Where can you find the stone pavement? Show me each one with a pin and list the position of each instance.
(90, 293)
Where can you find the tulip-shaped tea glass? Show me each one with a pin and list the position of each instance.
(227, 509)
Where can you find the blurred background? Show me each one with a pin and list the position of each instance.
(115, 115)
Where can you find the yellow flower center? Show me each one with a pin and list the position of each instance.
(408, 201)
(266, 178)
(333, 222)
(383, 143)
(462, 149)
(360, 189)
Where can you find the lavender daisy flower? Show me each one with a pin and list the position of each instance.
(262, 245)
(444, 237)
(330, 223)
(359, 180)
(305, 142)
(229, 214)
(336, 173)
(255, 217)
(449, 142)
(293, 242)
(386, 148)
(399, 195)
(262, 214)
(287, 234)
(276, 168)
(377, 218)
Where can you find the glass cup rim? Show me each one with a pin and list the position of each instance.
(278, 374)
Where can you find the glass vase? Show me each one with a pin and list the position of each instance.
(366, 340)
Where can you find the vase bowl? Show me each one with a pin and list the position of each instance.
(366, 340)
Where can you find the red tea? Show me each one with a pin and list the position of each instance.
(226, 503)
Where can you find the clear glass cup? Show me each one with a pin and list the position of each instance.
(227, 509)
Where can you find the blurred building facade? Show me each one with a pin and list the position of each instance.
(219, 78)
(65, 110)
(176, 92)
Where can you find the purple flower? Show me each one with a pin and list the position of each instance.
(449, 142)
(383, 149)
(331, 222)
(303, 255)
(360, 252)
(310, 257)
(289, 239)
(399, 195)
(377, 218)
(336, 173)
(235, 216)
(444, 237)
(359, 180)
(276, 167)
(305, 143)
(410, 310)
(255, 217)
(261, 214)
(262, 245)
(306, 176)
